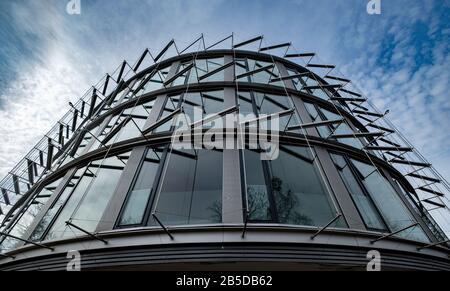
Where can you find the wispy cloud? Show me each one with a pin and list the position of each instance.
(400, 58)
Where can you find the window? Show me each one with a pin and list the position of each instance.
(266, 76)
(204, 66)
(182, 78)
(297, 194)
(388, 202)
(85, 202)
(258, 205)
(191, 190)
(267, 104)
(363, 202)
(143, 189)
(172, 103)
(127, 125)
(198, 105)
(155, 82)
(318, 114)
(28, 215)
(56, 207)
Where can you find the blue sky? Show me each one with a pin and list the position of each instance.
(400, 59)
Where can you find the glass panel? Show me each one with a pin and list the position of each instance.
(53, 210)
(132, 129)
(364, 203)
(88, 201)
(171, 106)
(342, 128)
(137, 201)
(299, 192)
(196, 195)
(205, 66)
(324, 131)
(29, 214)
(155, 82)
(269, 104)
(181, 79)
(265, 76)
(257, 192)
(389, 203)
(205, 103)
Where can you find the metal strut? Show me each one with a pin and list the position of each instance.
(163, 227)
(27, 241)
(87, 232)
(393, 233)
(326, 226)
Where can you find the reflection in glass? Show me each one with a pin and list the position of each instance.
(204, 66)
(89, 199)
(144, 185)
(28, 215)
(171, 105)
(258, 205)
(318, 114)
(389, 203)
(297, 193)
(57, 205)
(363, 202)
(191, 191)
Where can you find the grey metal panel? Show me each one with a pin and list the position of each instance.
(233, 257)
(231, 192)
(173, 70)
(229, 71)
(341, 193)
(231, 187)
(222, 243)
(116, 202)
(158, 107)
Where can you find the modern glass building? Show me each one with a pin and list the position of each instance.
(109, 182)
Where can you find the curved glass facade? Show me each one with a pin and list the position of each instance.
(120, 169)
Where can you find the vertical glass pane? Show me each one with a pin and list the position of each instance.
(389, 203)
(170, 106)
(299, 192)
(257, 192)
(87, 203)
(342, 128)
(48, 217)
(28, 216)
(324, 131)
(191, 191)
(136, 204)
(132, 129)
(364, 203)
(198, 105)
(270, 104)
(74, 196)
